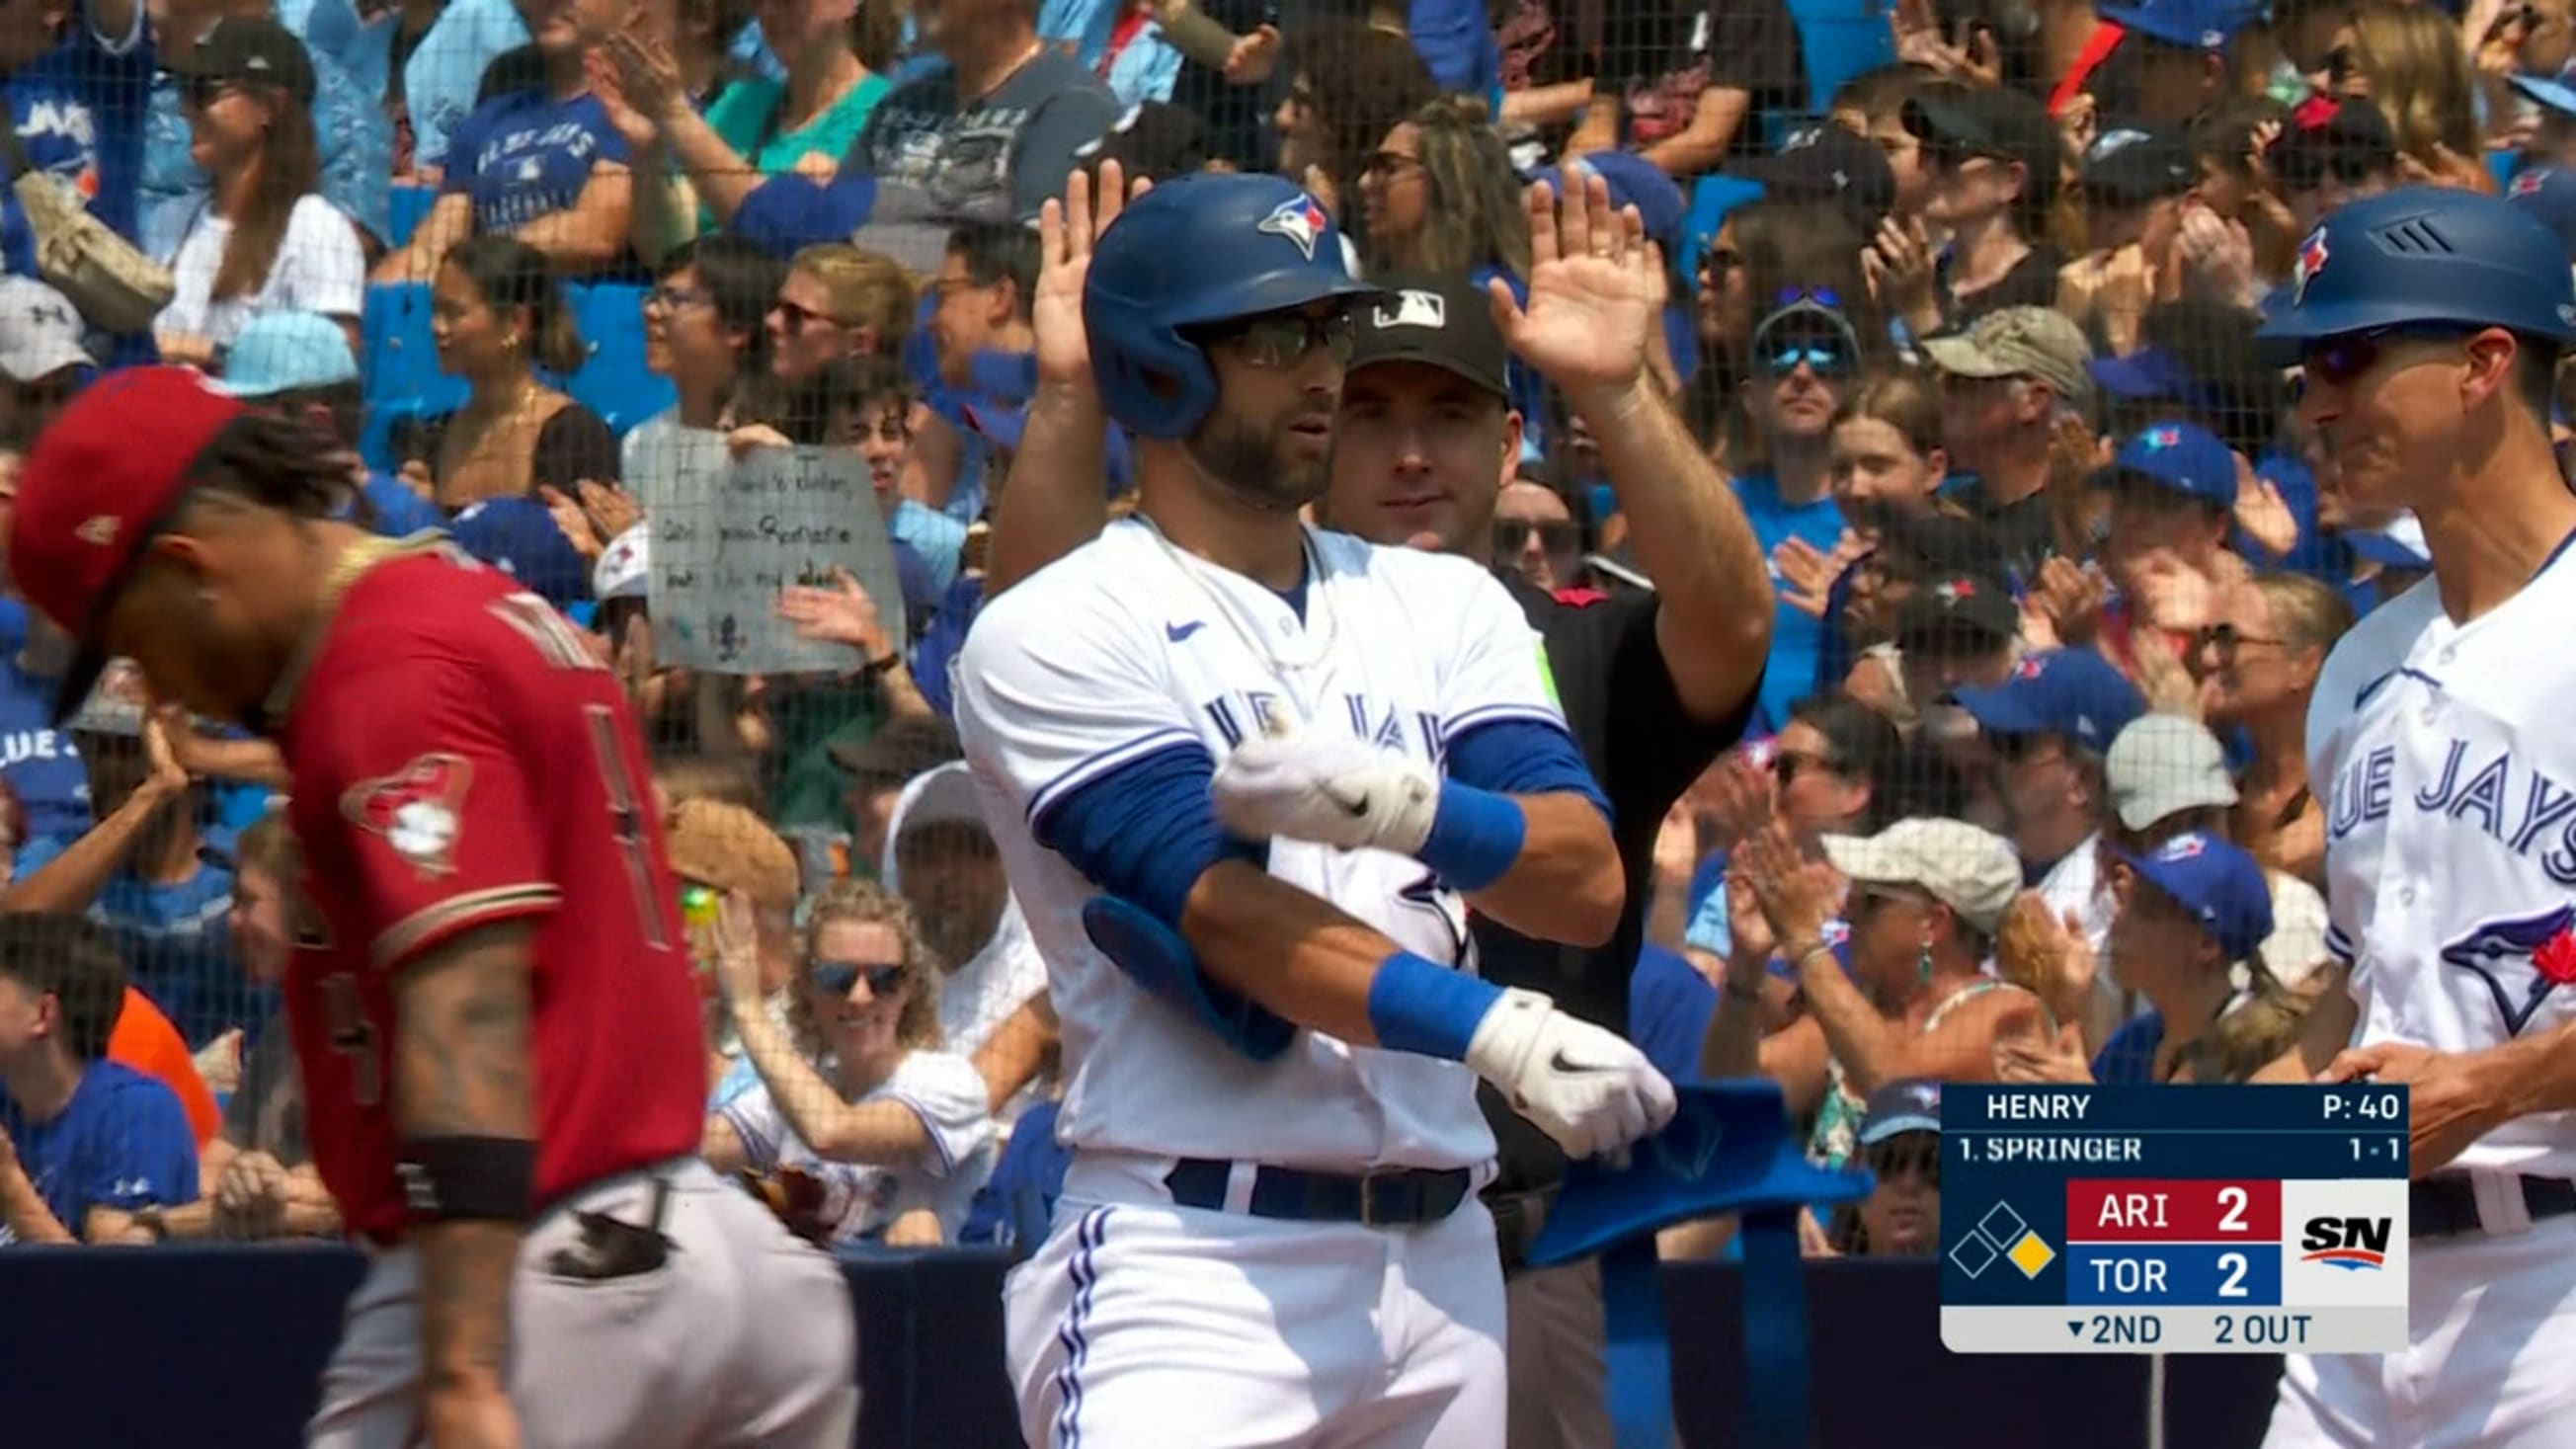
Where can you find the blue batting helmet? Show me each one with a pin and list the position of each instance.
(1199, 249)
(2424, 255)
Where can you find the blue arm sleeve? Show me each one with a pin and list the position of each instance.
(1523, 757)
(1146, 831)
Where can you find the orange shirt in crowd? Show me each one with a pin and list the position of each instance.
(145, 1040)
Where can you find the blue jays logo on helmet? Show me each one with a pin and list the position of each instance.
(2312, 260)
(1300, 220)
(2527, 183)
(2164, 435)
(2500, 954)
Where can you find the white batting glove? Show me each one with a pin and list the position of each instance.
(1583, 1086)
(1332, 790)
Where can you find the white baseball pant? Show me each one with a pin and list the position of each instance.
(744, 1337)
(1144, 1324)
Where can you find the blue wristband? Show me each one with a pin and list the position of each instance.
(1476, 836)
(1419, 1006)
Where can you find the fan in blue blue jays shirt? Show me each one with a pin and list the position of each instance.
(76, 93)
(40, 764)
(85, 1144)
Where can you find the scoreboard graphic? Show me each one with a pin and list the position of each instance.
(2173, 1219)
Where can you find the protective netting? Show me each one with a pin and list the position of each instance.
(721, 328)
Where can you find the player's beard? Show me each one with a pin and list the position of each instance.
(1252, 461)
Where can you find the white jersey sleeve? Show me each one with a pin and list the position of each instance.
(948, 1095)
(755, 1118)
(1047, 704)
(1496, 666)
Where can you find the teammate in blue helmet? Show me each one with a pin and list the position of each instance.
(2429, 324)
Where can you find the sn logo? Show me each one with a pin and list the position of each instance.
(2351, 1244)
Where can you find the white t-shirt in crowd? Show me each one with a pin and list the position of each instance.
(860, 1200)
(319, 268)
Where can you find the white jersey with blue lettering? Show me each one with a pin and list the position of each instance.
(2450, 778)
(1128, 647)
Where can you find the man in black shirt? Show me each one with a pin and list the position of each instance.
(1655, 685)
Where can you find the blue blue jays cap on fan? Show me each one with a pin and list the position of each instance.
(518, 536)
(1727, 1150)
(2150, 374)
(1196, 251)
(2180, 458)
(2073, 693)
(2190, 24)
(2548, 91)
(2221, 885)
(2547, 194)
(1899, 1108)
(2425, 256)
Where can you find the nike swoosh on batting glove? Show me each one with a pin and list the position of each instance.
(1586, 1088)
(1330, 790)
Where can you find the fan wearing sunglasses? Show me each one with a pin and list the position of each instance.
(2257, 664)
(854, 1090)
(264, 237)
(1805, 363)
(1819, 779)
(1900, 1144)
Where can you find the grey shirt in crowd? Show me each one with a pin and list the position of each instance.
(997, 160)
(266, 1112)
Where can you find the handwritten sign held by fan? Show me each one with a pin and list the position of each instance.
(728, 543)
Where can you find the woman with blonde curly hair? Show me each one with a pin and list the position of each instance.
(890, 1133)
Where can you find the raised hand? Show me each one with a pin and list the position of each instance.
(2071, 597)
(1253, 57)
(1591, 300)
(841, 614)
(637, 127)
(1067, 231)
(647, 75)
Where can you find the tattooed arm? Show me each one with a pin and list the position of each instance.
(461, 1069)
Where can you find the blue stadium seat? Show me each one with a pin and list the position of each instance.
(396, 355)
(1840, 39)
(612, 381)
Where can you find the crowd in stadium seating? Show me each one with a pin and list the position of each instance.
(1961, 295)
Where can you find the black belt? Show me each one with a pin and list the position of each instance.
(2447, 1206)
(1402, 1197)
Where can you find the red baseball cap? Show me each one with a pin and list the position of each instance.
(101, 478)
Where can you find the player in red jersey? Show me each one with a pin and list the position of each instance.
(499, 1035)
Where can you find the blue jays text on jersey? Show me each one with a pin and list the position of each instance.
(1244, 713)
(2514, 802)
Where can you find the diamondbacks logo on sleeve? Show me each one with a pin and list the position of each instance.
(418, 809)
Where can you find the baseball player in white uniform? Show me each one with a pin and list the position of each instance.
(1244, 776)
(2429, 323)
